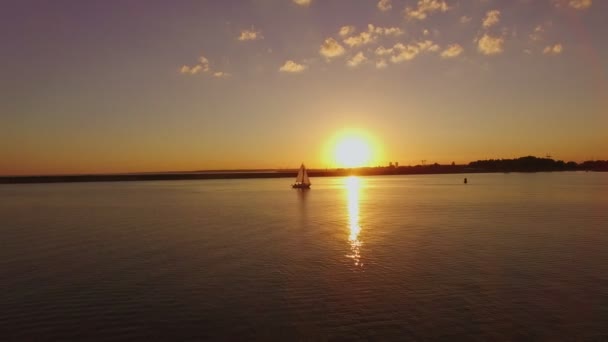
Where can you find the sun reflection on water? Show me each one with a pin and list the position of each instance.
(353, 186)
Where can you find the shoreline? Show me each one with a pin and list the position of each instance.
(380, 171)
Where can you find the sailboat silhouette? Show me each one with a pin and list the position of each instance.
(302, 180)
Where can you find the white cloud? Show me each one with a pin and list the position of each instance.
(492, 18)
(292, 67)
(357, 60)
(408, 52)
(360, 39)
(331, 48)
(381, 64)
(385, 5)
(382, 51)
(346, 30)
(553, 49)
(537, 34)
(453, 50)
(387, 31)
(202, 66)
(192, 70)
(580, 4)
(428, 45)
(303, 3)
(221, 74)
(251, 34)
(372, 33)
(489, 45)
(204, 62)
(426, 7)
(465, 20)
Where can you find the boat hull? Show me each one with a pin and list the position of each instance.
(301, 186)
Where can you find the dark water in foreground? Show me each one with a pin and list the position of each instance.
(508, 256)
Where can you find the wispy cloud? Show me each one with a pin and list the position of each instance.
(537, 33)
(465, 20)
(192, 70)
(221, 74)
(489, 45)
(492, 18)
(553, 49)
(576, 4)
(331, 48)
(357, 60)
(346, 30)
(292, 67)
(250, 34)
(372, 33)
(381, 64)
(386, 31)
(580, 4)
(424, 8)
(360, 39)
(453, 50)
(303, 3)
(201, 66)
(385, 5)
(400, 52)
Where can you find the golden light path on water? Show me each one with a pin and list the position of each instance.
(353, 186)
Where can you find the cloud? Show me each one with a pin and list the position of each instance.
(426, 7)
(492, 18)
(292, 67)
(553, 49)
(465, 20)
(361, 39)
(428, 45)
(381, 64)
(537, 34)
(251, 34)
(204, 62)
(385, 5)
(357, 60)
(192, 70)
(382, 51)
(303, 3)
(387, 31)
(407, 54)
(201, 66)
(346, 30)
(372, 33)
(401, 53)
(453, 50)
(489, 45)
(221, 74)
(331, 48)
(576, 4)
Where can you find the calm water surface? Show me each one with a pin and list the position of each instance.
(506, 257)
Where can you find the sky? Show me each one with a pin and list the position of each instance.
(130, 86)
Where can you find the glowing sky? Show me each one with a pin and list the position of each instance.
(124, 86)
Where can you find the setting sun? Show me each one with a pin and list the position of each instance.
(353, 148)
(353, 152)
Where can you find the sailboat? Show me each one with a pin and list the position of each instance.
(302, 181)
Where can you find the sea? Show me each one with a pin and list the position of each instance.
(508, 256)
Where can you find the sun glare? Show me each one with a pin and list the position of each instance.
(353, 152)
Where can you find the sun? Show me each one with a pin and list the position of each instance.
(353, 151)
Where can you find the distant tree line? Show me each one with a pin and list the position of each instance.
(535, 164)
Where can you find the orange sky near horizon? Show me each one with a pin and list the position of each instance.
(130, 87)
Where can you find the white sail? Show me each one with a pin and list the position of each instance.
(301, 173)
(305, 179)
(302, 181)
